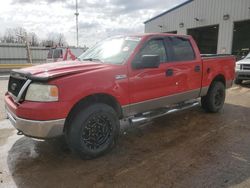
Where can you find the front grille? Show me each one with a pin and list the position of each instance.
(246, 67)
(15, 85)
(243, 76)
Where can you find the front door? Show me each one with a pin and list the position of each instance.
(149, 87)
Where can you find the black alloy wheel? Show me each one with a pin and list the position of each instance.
(97, 131)
(93, 130)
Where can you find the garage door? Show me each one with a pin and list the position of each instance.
(206, 38)
(241, 39)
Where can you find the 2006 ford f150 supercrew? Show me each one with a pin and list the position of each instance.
(134, 78)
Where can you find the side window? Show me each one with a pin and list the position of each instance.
(50, 54)
(181, 49)
(57, 53)
(155, 47)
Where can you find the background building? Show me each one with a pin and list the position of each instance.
(218, 26)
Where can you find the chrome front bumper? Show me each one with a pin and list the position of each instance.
(37, 129)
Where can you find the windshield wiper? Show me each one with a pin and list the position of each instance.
(92, 59)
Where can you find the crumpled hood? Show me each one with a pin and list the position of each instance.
(48, 71)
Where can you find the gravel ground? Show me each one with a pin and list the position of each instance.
(187, 149)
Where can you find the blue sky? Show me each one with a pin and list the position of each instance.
(98, 19)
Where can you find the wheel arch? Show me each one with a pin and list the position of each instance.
(95, 98)
(219, 78)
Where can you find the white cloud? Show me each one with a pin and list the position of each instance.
(97, 19)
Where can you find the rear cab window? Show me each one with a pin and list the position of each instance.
(180, 49)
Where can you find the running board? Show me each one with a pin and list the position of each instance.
(148, 116)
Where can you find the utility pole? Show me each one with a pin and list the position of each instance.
(77, 14)
(25, 37)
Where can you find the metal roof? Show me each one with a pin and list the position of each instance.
(169, 10)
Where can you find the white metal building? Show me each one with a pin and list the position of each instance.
(218, 26)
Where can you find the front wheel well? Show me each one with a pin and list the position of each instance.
(91, 99)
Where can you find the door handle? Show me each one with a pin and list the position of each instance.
(169, 72)
(197, 68)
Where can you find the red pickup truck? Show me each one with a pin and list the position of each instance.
(134, 78)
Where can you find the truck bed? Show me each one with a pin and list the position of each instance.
(217, 64)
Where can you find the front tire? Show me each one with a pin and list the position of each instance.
(93, 131)
(215, 98)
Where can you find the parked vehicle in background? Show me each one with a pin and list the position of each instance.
(134, 78)
(63, 53)
(242, 70)
(241, 54)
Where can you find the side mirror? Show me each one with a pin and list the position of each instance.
(148, 61)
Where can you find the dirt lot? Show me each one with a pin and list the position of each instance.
(186, 149)
(3, 89)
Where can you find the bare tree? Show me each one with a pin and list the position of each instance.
(1, 38)
(20, 34)
(55, 39)
(33, 39)
(9, 36)
(61, 40)
(12, 35)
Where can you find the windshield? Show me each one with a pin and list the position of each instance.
(248, 56)
(113, 50)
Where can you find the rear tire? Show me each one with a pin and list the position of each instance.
(93, 131)
(215, 98)
(238, 81)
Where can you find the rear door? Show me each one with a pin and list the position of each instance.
(185, 65)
